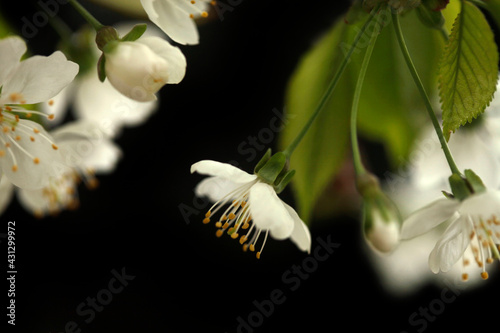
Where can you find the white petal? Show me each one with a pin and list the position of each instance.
(11, 51)
(6, 190)
(30, 175)
(102, 104)
(471, 152)
(33, 201)
(215, 188)
(482, 205)
(428, 217)
(451, 246)
(176, 69)
(38, 79)
(85, 146)
(224, 170)
(173, 18)
(301, 235)
(59, 105)
(268, 211)
(136, 71)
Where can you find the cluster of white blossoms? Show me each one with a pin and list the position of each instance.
(43, 167)
(457, 238)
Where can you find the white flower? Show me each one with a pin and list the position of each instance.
(27, 152)
(250, 200)
(474, 222)
(96, 101)
(176, 17)
(86, 151)
(139, 69)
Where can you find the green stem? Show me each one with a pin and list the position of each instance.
(423, 93)
(358, 164)
(86, 15)
(333, 83)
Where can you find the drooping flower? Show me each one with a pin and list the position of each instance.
(27, 151)
(176, 17)
(85, 151)
(473, 223)
(253, 207)
(139, 69)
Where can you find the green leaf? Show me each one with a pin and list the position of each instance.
(468, 70)
(321, 152)
(391, 110)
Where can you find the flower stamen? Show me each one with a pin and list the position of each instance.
(236, 218)
(197, 10)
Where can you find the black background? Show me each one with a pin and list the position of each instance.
(187, 280)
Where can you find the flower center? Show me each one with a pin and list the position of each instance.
(237, 219)
(484, 243)
(16, 135)
(60, 194)
(195, 10)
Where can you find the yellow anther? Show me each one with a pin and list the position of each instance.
(206, 220)
(51, 102)
(465, 277)
(231, 216)
(484, 275)
(51, 116)
(258, 255)
(36, 160)
(234, 235)
(208, 214)
(243, 239)
(2, 153)
(225, 226)
(245, 247)
(36, 130)
(204, 14)
(489, 260)
(193, 2)
(32, 139)
(14, 97)
(55, 147)
(14, 168)
(191, 16)
(218, 224)
(219, 233)
(245, 226)
(18, 138)
(252, 247)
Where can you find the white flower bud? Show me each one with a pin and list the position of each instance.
(139, 69)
